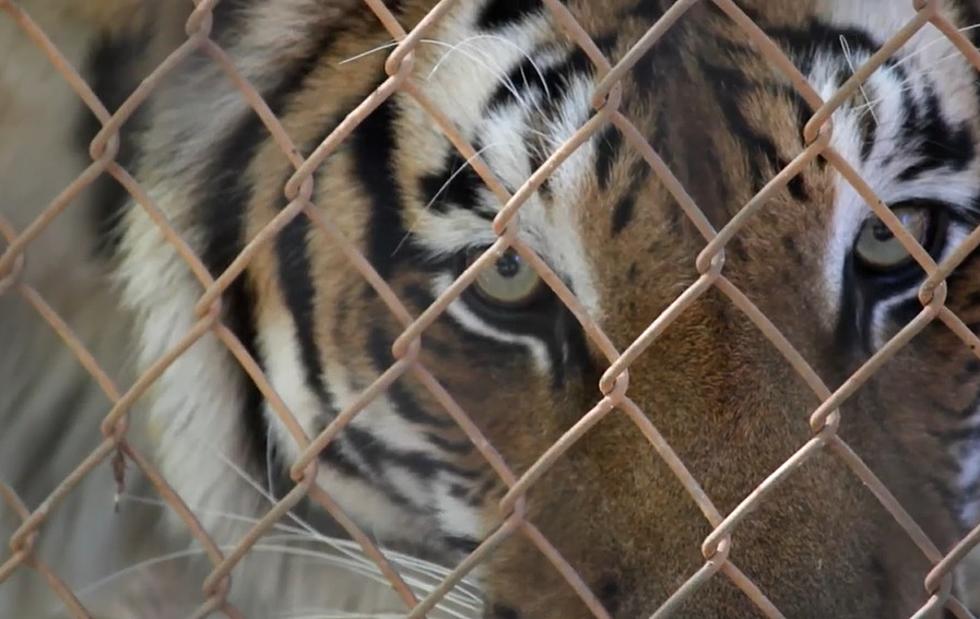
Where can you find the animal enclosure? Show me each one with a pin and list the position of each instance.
(613, 397)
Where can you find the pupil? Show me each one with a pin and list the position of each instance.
(509, 265)
(881, 232)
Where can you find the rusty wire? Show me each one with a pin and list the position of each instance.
(614, 384)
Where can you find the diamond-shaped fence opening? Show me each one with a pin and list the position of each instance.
(613, 394)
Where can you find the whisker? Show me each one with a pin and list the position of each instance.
(907, 84)
(445, 186)
(428, 577)
(270, 545)
(846, 48)
(499, 74)
(527, 56)
(292, 516)
(925, 47)
(366, 53)
(502, 75)
(348, 547)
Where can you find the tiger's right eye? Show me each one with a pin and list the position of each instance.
(877, 249)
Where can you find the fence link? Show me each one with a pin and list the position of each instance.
(116, 449)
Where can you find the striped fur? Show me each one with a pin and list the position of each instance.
(724, 121)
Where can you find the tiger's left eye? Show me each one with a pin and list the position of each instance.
(511, 282)
(877, 248)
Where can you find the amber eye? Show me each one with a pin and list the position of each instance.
(877, 248)
(510, 282)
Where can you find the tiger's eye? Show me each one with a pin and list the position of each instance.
(511, 282)
(877, 248)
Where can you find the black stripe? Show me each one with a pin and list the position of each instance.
(544, 320)
(521, 79)
(818, 40)
(443, 189)
(226, 190)
(730, 87)
(299, 292)
(852, 319)
(905, 311)
(537, 154)
(222, 209)
(458, 491)
(609, 143)
(113, 77)
(815, 39)
(340, 463)
(552, 81)
(623, 211)
(227, 15)
(498, 14)
(462, 544)
(373, 150)
(404, 404)
(379, 456)
(868, 124)
(462, 448)
(939, 143)
(970, 15)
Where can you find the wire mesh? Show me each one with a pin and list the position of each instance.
(716, 548)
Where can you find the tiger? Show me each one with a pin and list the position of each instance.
(612, 231)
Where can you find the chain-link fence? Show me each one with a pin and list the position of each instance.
(116, 449)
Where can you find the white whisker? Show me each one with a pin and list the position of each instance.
(420, 575)
(905, 85)
(846, 48)
(345, 546)
(499, 74)
(925, 47)
(373, 50)
(444, 186)
(501, 71)
(522, 52)
(497, 71)
(274, 545)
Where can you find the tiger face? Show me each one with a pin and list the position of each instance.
(508, 351)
